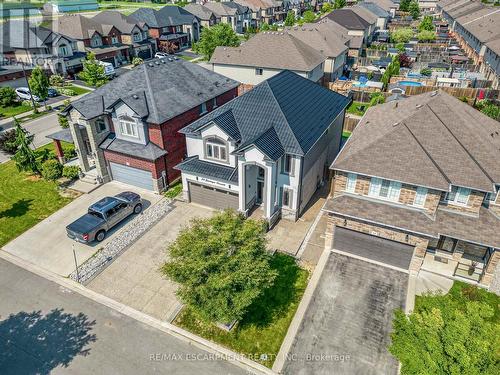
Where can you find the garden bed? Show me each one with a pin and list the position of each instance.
(260, 333)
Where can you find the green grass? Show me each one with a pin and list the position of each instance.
(458, 295)
(264, 327)
(187, 58)
(78, 90)
(25, 200)
(174, 190)
(13, 110)
(358, 108)
(346, 134)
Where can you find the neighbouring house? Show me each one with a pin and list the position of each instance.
(170, 24)
(265, 150)
(127, 130)
(239, 17)
(207, 17)
(265, 55)
(64, 6)
(475, 26)
(132, 34)
(382, 15)
(427, 6)
(22, 41)
(354, 23)
(387, 5)
(105, 41)
(417, 184)
(332, 46)
(264, 11)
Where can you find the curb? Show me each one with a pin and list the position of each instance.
(226, 354)
(299, 315)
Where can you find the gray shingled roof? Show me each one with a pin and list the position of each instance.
(375, 9)
(149, 151)
(482, 229)
(200, 11)
(286, 113)
(157, 90)
(328, 44)
(270, 50)
(119, 20)
(166, 16)
(432, 140)
(201, 167)
(348, 18)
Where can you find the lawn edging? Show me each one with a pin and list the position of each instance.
(219, 351)
(299, 314)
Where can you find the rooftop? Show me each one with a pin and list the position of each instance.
(347, 18)
(166, 16)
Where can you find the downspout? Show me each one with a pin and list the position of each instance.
(299, 189)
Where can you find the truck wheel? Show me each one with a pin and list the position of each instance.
(138, 208)
(101, 235)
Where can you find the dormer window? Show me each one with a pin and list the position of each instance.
(384, 189)
(137, 37)
(63, 50)
(100, 125)
(216, 149)
(128, 127)
(458, 196)
(114, 39)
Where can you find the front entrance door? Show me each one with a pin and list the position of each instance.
(260, 192)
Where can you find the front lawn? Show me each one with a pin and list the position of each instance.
(260, 333)
(78, 90)
(14, 110)
(25, 200)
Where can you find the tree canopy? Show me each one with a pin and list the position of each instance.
(402, 35)
(426, 24)
(326, 8)
(221, 264)
(308, 16)
(449, 334)
(24, 155)
(290, 18)
(414, 9)
(221, 34)
(339, 4)
(404, 5)
(426, 36)
(93, 72)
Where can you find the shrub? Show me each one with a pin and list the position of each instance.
(27, 103)
(7, 96)
(71, 171)
(63, 121)
(7, 139)
(426, 72)
(69, 152)
(67, 92)
(51, 169)
(137, 61)
(56, 80)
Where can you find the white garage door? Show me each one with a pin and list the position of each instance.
(132, 176)
(212, 197)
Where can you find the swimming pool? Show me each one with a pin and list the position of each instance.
(409, 83)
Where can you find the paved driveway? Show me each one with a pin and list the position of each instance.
(134, 278)
(346, 327)
(47, 245)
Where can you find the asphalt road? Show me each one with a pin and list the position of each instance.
(46, 328)
(40, 127)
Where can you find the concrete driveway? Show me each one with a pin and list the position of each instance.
(346, 327)
(47, 245)
(134, 278)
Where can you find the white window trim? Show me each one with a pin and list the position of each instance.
(455, 201)
(220, 147)
(124, 130)
(374, 190)
(290, 201)
(423, 192)
(352, 179)
(203, 108)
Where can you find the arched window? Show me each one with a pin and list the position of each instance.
(63, 50)
(128, 126)
(216, 148)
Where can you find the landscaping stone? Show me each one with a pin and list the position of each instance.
(131, 233)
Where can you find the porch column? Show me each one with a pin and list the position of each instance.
(59, 150)
(95, 140)
(269, 189)
(81, 151)
(241, 187)
(489, 271)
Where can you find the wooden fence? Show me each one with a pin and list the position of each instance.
(350, 122)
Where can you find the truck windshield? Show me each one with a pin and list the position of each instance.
(96, 214)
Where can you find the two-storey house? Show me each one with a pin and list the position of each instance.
(265, 150)
(417, 186)
(239, 17)
(206, 16)
(354, 23)
(127, 130)
(170, 24)
(132, 34)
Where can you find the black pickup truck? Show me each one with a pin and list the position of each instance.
(104, 215)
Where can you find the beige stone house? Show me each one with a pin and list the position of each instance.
(418, 181)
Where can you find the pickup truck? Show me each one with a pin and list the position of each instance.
(104, 215)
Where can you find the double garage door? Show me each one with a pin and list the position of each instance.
(132, 176)
(212, 197)
(382, 250)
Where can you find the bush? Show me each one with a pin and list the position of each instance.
(69, 152)
(63, 121)
(67, 92)
(7, 96)
(426, 72)
(137, 61)
(7, 139)
(56, 80)
(402, 35)
(51, 169)
(27, 103)
(71, 171)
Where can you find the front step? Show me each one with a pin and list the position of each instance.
(89, 179)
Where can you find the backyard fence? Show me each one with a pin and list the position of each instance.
(350, 122)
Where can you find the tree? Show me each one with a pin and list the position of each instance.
(426, 72)
(264, 26)
(426, 36)
(39, 84)
(24, 156)
(376, 98)
(290, 18)
(56, 80)
(7, 96)
(414, 9)
(308, 16)
(221, 264)
(448, 335)
(93, 72)
(326, 8)
(426, 24)
(137, 61)
(211, 37)
(402, 35)
(168, 47)
(7, 139)
(404, 61)
(339, 4)
(404, 5)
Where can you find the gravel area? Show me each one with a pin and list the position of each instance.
(126, 237)
(495, 284)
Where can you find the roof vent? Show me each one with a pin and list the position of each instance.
(396, 104)
(150, 65)
(170, 59)
(434, 93)
(135, 96)
(162, 61)
(176, 58)
(419, 106)
(395, 124)
(157, 62)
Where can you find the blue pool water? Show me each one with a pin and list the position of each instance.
(409, 83)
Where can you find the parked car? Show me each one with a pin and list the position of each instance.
(104, 215)
(53, 93)
(109, 69)
(161, 55)
(25, 94)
